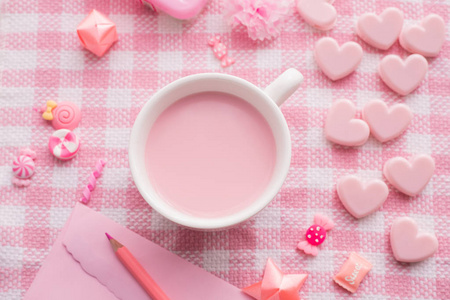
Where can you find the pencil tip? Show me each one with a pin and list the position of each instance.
(108, 236)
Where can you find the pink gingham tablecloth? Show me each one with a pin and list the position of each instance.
(41, 59)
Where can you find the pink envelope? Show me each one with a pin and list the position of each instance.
(82, 265)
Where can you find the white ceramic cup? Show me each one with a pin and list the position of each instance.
(266, 101)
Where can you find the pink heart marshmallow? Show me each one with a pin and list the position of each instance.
(337, 62)
(386, 123)
(380, 31)
(403, 77)
(342, 128)
(427, 38)
(319, 14)
(410, 245)
(361, 199)
(409, 177)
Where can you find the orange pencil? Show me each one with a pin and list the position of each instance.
(138, 272)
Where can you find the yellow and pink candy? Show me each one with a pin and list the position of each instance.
(63, 115)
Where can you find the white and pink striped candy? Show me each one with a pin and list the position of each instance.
(23, 167)
(64, 144)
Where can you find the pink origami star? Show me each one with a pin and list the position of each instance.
(97, 33)
(276, 285)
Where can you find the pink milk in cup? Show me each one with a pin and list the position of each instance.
(209, 151)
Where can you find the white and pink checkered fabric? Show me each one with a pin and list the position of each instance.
(41, 59)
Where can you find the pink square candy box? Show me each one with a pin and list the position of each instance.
(97, 33)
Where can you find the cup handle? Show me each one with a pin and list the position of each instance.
(284, 86)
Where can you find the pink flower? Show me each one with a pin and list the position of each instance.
(263, 18)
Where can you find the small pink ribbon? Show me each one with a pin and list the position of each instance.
(92, 181)
(21, 182)
(28, 152)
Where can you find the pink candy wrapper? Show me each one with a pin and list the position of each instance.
(352, 272)
(97, 33)
(315, 235)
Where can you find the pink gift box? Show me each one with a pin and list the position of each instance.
(97, 33)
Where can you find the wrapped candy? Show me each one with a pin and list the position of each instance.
(64, 144)
(220, 51)
(316, 235)
(352, 272)
(97, 33)
(23, 167)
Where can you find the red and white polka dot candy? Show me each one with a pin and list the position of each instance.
(315, 235)
(64, 144)
(23, 167)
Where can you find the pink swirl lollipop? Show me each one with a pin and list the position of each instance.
(64, 144)
(23, 167)
(66, 115)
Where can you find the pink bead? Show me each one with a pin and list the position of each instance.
(66, 115)
(23, 167)
(315, 235)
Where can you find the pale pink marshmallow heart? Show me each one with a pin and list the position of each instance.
(319, 14)
(337, 62)
(386, 123)
(409, 177)
(403, 77)
(410, 245)
(425, 39)
(361, 199)
(380, 31)
(342, 128)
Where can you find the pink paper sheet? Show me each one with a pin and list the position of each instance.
(82, 265)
